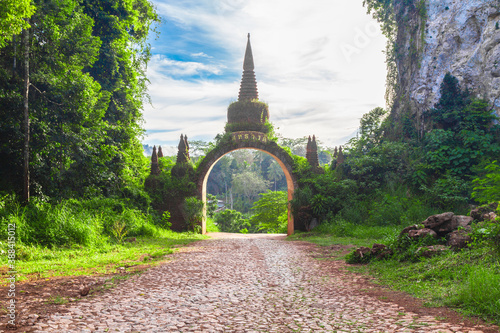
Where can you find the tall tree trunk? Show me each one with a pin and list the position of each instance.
(26, 146)
(14, 65)
(231, 196)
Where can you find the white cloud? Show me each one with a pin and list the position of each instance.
(200, 54)
(183, 68)
(312, 85)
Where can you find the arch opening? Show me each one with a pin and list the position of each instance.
(287, 170)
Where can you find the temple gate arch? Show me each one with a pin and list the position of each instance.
(247, 127)
(247, 140)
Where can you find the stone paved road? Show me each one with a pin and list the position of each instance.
(239, 285)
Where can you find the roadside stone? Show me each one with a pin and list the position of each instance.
(421, 233)
(362, 251)
(407, 230)
(453, 224)
(483, 212)
(437, 220)
(381, 251)
(459, 239)
(431, 251)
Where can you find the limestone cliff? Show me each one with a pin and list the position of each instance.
(456, 36)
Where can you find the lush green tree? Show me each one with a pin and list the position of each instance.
(465, 138)
(275, 173)
(249, 184)
(211, 205)
(123, 27)
(371, 125)
(65, 116)
(449, 111)
(271, 212)
(13, 18)
(85, 127)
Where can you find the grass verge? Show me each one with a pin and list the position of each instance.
(345, 233)
(35, 262)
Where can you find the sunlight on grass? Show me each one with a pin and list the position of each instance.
(41, 263)
(345, 233)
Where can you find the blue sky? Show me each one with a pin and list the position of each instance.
(319, 65)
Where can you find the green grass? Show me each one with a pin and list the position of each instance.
(211, 226)
(480, 292)
(327, 240)
(35, 262)
(57, 300)
(344, 233)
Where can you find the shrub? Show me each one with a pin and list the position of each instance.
(271, 212)
(193, 213)
(407, 249)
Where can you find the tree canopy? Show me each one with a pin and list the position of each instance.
(13, 18)
(87, 86)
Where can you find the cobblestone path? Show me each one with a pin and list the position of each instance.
(239, 285)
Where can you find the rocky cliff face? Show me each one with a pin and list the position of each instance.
(461, 37)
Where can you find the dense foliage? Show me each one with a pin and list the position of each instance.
(269, 214)
(87, 84)
(402, 181)
(13, 18)
(89, 223)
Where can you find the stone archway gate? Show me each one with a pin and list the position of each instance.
(247, 140)
(247, 127)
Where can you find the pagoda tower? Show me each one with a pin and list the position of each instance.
(248, 113)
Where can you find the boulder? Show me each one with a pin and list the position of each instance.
(491, 216)
(430, 251)
(421, 233)
(459, 239)
(484, 212)
(445, 223)
(84, 290)
(463, 221)
(435, 221)
(456, 222)
(362, 251)
(381, 251)
(407, 230)
(359, 256)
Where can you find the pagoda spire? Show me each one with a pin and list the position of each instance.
(248, 86)
(312, 152)
(155, 168)
(183, 152)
